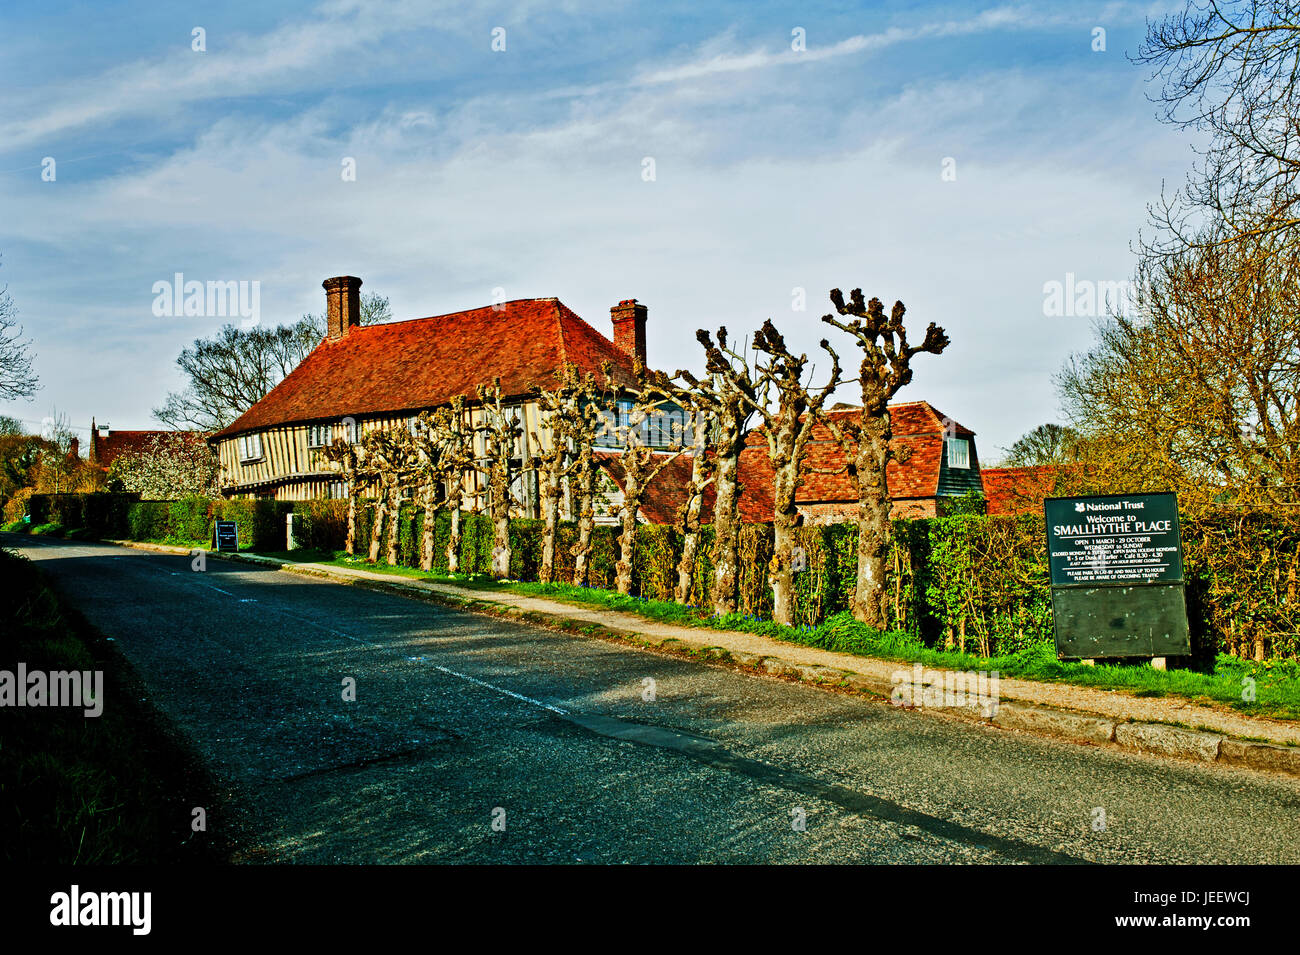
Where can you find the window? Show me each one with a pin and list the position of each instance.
(336, 490)
(250, 447)
(318, 435)
(958, 452)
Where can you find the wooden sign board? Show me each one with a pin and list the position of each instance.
(227, 535)
(1116, 565)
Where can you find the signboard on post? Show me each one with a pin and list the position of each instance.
(1116, 564)
(227, 535)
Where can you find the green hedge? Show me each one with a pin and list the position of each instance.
(971, 581)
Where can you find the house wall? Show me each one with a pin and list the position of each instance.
(291, 471)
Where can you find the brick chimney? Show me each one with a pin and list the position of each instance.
(342, 305)
(629, 327)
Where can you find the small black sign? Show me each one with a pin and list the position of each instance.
(1116, 564)
(227, 534)
(1119, 539)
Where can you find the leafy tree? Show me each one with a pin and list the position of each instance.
(171, 465)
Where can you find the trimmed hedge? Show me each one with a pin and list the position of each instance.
(971, 581)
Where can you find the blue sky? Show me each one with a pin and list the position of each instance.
(775, 169)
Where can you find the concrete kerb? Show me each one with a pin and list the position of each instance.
(1079, 726)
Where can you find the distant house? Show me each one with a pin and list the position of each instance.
(364, 377)
(107, 445)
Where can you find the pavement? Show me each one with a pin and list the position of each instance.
(473, 737)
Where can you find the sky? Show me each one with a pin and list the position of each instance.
(722, 163)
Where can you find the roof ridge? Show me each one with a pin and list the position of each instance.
(559, 326)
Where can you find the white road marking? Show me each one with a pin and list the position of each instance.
(511, 693)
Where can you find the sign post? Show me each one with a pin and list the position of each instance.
(227, 535)
(1116, 564)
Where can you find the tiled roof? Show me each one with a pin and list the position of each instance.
(425, 362)
(108, 449)
(1018, 490)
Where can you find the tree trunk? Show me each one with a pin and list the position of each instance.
(586, 523)
(453, 536)
(690, 546)
(394, 523)
(501, 552)
(785, 524)
(726, 569)
(377, 526)
(551, 514)
(873, 519)
(350, 545)
(426, 542)
(627, 534)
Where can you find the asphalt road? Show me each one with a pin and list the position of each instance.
(473, 739)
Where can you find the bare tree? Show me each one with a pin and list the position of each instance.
(452, 422)
(17, 380)
(388, 453)
(501, 430)
(728, 394)
(1200, 392)
(594, 395)
(348, 457)
(640, 463)
(554, 459)
(886, 367)
(1045, 444)
(695, 432)
(1230, 70)
(787, 426)
(227, 374)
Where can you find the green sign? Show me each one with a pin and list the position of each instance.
(1117, 576)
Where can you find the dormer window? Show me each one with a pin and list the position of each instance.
(958, 452)
(250, 448)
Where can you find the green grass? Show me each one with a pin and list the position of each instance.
(1277, 683)
(75, 789)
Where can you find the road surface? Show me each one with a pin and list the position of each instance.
(473, 739)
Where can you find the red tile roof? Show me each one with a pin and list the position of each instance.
(1018, 490)
(422, 363)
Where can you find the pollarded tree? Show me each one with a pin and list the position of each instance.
(429, 467)
(640, 465)
(886, 367)
(389, 453)
(787, 425)
(695, 432)
(501, 430)
(554, 458)
(348, 457)
(727, 394)
(452, 423)
(594, 396)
